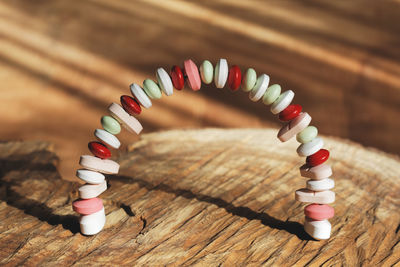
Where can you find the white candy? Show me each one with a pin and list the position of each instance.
(320, 185)
(282, 102)
(259, 89)
(107, 138)
(221, 73)
(140, 95)
(90, 177)
(92, 190)
(164, 81)
(128, 122)
(99, 165)
(307, 149)
(318, 229)
(93, 223)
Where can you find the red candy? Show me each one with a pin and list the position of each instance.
(178, 80)
(130, 105)
(289, 113)
(318, 158)
(99, 150)
(234, 78)
(319, 212)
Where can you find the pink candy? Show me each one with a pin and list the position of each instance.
(87, 206)
(319, 212)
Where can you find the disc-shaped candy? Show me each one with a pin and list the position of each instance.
(307, 149)
(290, 112)
(99, 150)
(319, 212)
(318, 157)
(221, 73)
(282, 102)
(164, 81)
(107, 138)
(259, 89)
(130, 105)
(87, 206)
(93, 223)
(140, 95)
(178, 80)
(110, 125)
(319, 230)
(206, 72)
(193, 74)
(234, 78)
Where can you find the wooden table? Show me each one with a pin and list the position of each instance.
(200, 197)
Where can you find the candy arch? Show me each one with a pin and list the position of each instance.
(297, 123)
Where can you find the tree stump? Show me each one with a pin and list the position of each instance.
(200, 197)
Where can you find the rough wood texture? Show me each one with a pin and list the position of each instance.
(200, 197)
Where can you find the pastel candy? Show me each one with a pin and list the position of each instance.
(107, 138)
(319, 230)
(294, 126)
(90, 177)
(282, 102)
(193, 75)
(307, 149)
(221, 73)
(92, 190)
(316, 173)
(93, 223)
(249, 80)
(323, 197)
(129, 122)
(259, 89)
(272, 94)
(87, 206)
(308, 134)
(319, 212)
(110, 125)
(164, 81)
(100, 165)
(320, 185)
(206, 72)
(140, 95)
(151, 89)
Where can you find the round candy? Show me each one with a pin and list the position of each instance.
(249, 80)
(99, 150)
(319, 230)
(318, 157)
(259, 89)
(307, 134)
(110, 125)
(178, 80)
(282, 102)
(316, 173)
(320, 185)
(319, 212)
(107, 138)
(151, 89)
(193, 75)
(140, 95)
(206, 72)
(129, 122)
(130, 105)
(164, 81)
(221, 73)
(87, 206)
(307, 149)
(320, 197)
(234, 78)
(92, 190)
(99, 165)
(90, 177)
(272, 94)
(289, 113)
(93, 223)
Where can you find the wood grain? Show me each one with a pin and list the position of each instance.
(200, 197)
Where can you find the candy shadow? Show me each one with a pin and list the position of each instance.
(291, 227)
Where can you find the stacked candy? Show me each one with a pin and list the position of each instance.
(297, 123)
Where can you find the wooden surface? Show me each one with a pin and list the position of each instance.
(200, 197)
(62, 63)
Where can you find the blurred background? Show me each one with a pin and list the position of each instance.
(63, 61)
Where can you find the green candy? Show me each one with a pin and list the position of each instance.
(206, 71)
(307, 134)
(110, 124)
(151, 89)
(250, 79)
(272, 94)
